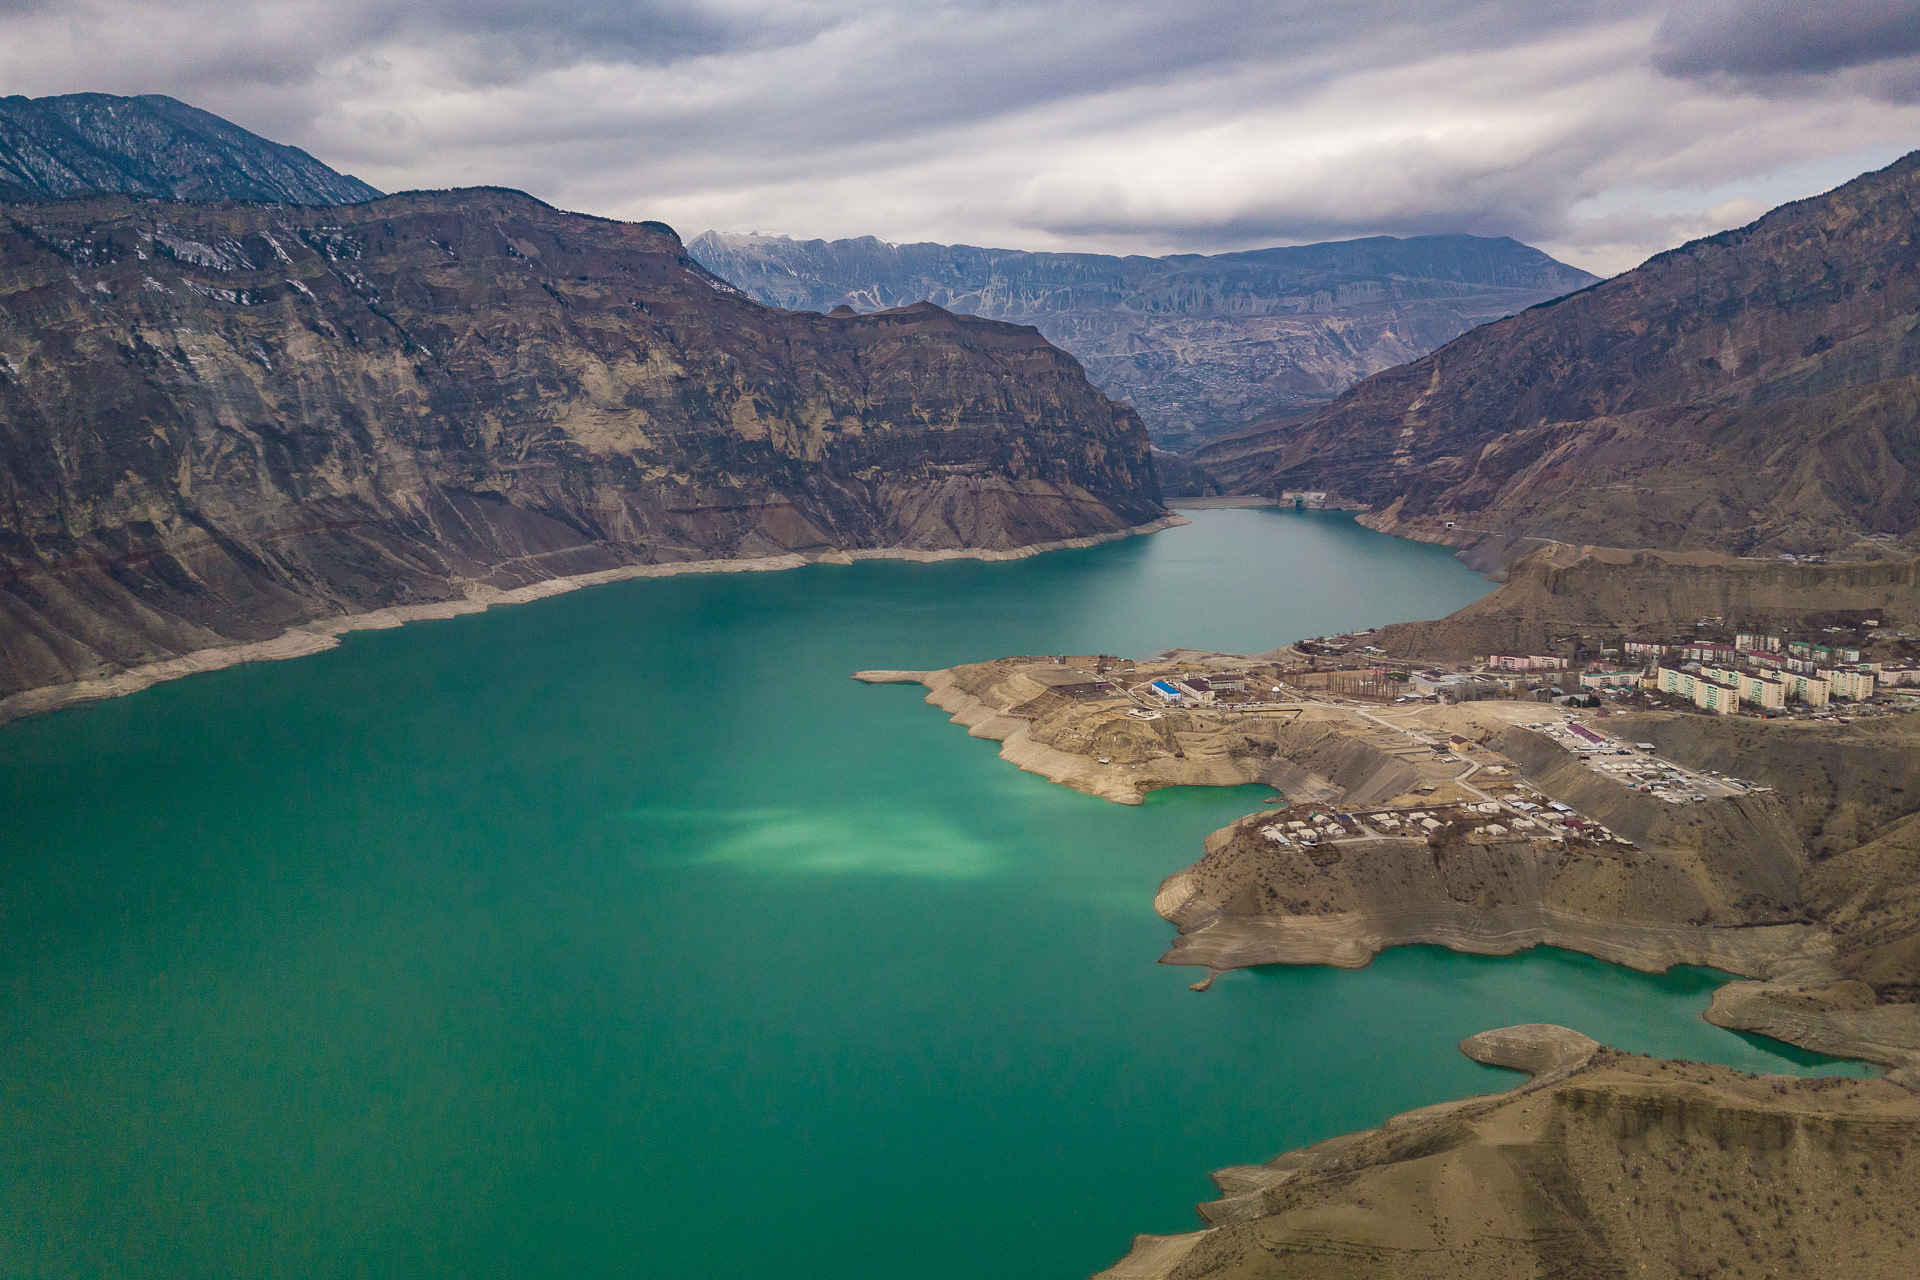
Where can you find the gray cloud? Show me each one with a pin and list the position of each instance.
(1602, 131)
(1787, 37)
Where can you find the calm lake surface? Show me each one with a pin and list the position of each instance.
(621, 934)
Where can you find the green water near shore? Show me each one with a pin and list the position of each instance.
(621, 934)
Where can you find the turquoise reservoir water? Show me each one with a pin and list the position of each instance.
(622, 935)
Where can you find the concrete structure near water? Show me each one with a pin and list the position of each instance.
(1195, 689)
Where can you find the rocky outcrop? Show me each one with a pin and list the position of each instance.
(1604, 1164)
(1752, 391)
(1561, 590)
(1200, 346)
(218, 422)
(1714, 884)
(1808, 888)
(77, 143)
(1772, 886)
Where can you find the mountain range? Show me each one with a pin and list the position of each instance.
(1753, 392)
(1200, 345)
(79, 143)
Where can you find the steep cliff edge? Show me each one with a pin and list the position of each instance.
(221, 421)
(1753, 391)
(1604, 1164)
(1201, 345)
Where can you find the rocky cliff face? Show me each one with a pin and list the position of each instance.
(217, 421)
(1200, 345)
(53, 148)
(1754, 391)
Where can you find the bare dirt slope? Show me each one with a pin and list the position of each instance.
(1853, 793)
(1605, 1165)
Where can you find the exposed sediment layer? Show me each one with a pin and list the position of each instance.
(1350, 940)
(1603, 1164)
(219, 422)
(323, 634)
(1720, 884)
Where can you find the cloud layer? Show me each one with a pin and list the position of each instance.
(1602, 131)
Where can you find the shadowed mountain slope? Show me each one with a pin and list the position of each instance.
(78, 143)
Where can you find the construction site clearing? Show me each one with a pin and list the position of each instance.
(1346, 769)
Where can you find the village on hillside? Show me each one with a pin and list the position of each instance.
(1707, 670)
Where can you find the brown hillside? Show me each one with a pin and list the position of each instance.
(219, 421)
(1753, 391)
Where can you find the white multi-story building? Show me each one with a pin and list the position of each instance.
(1802, 687)
(1849, 684)
(1759, 690)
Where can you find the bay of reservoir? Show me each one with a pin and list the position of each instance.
(622, 934)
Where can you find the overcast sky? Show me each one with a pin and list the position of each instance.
(1600, 130)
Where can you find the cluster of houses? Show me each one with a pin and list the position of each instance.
(1756, 670)
(1491, 820)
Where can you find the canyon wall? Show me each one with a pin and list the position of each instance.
(220, 421)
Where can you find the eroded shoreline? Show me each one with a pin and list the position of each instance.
(1342, 871)
(323, 634)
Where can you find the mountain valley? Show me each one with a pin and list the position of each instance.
(1200, 345)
